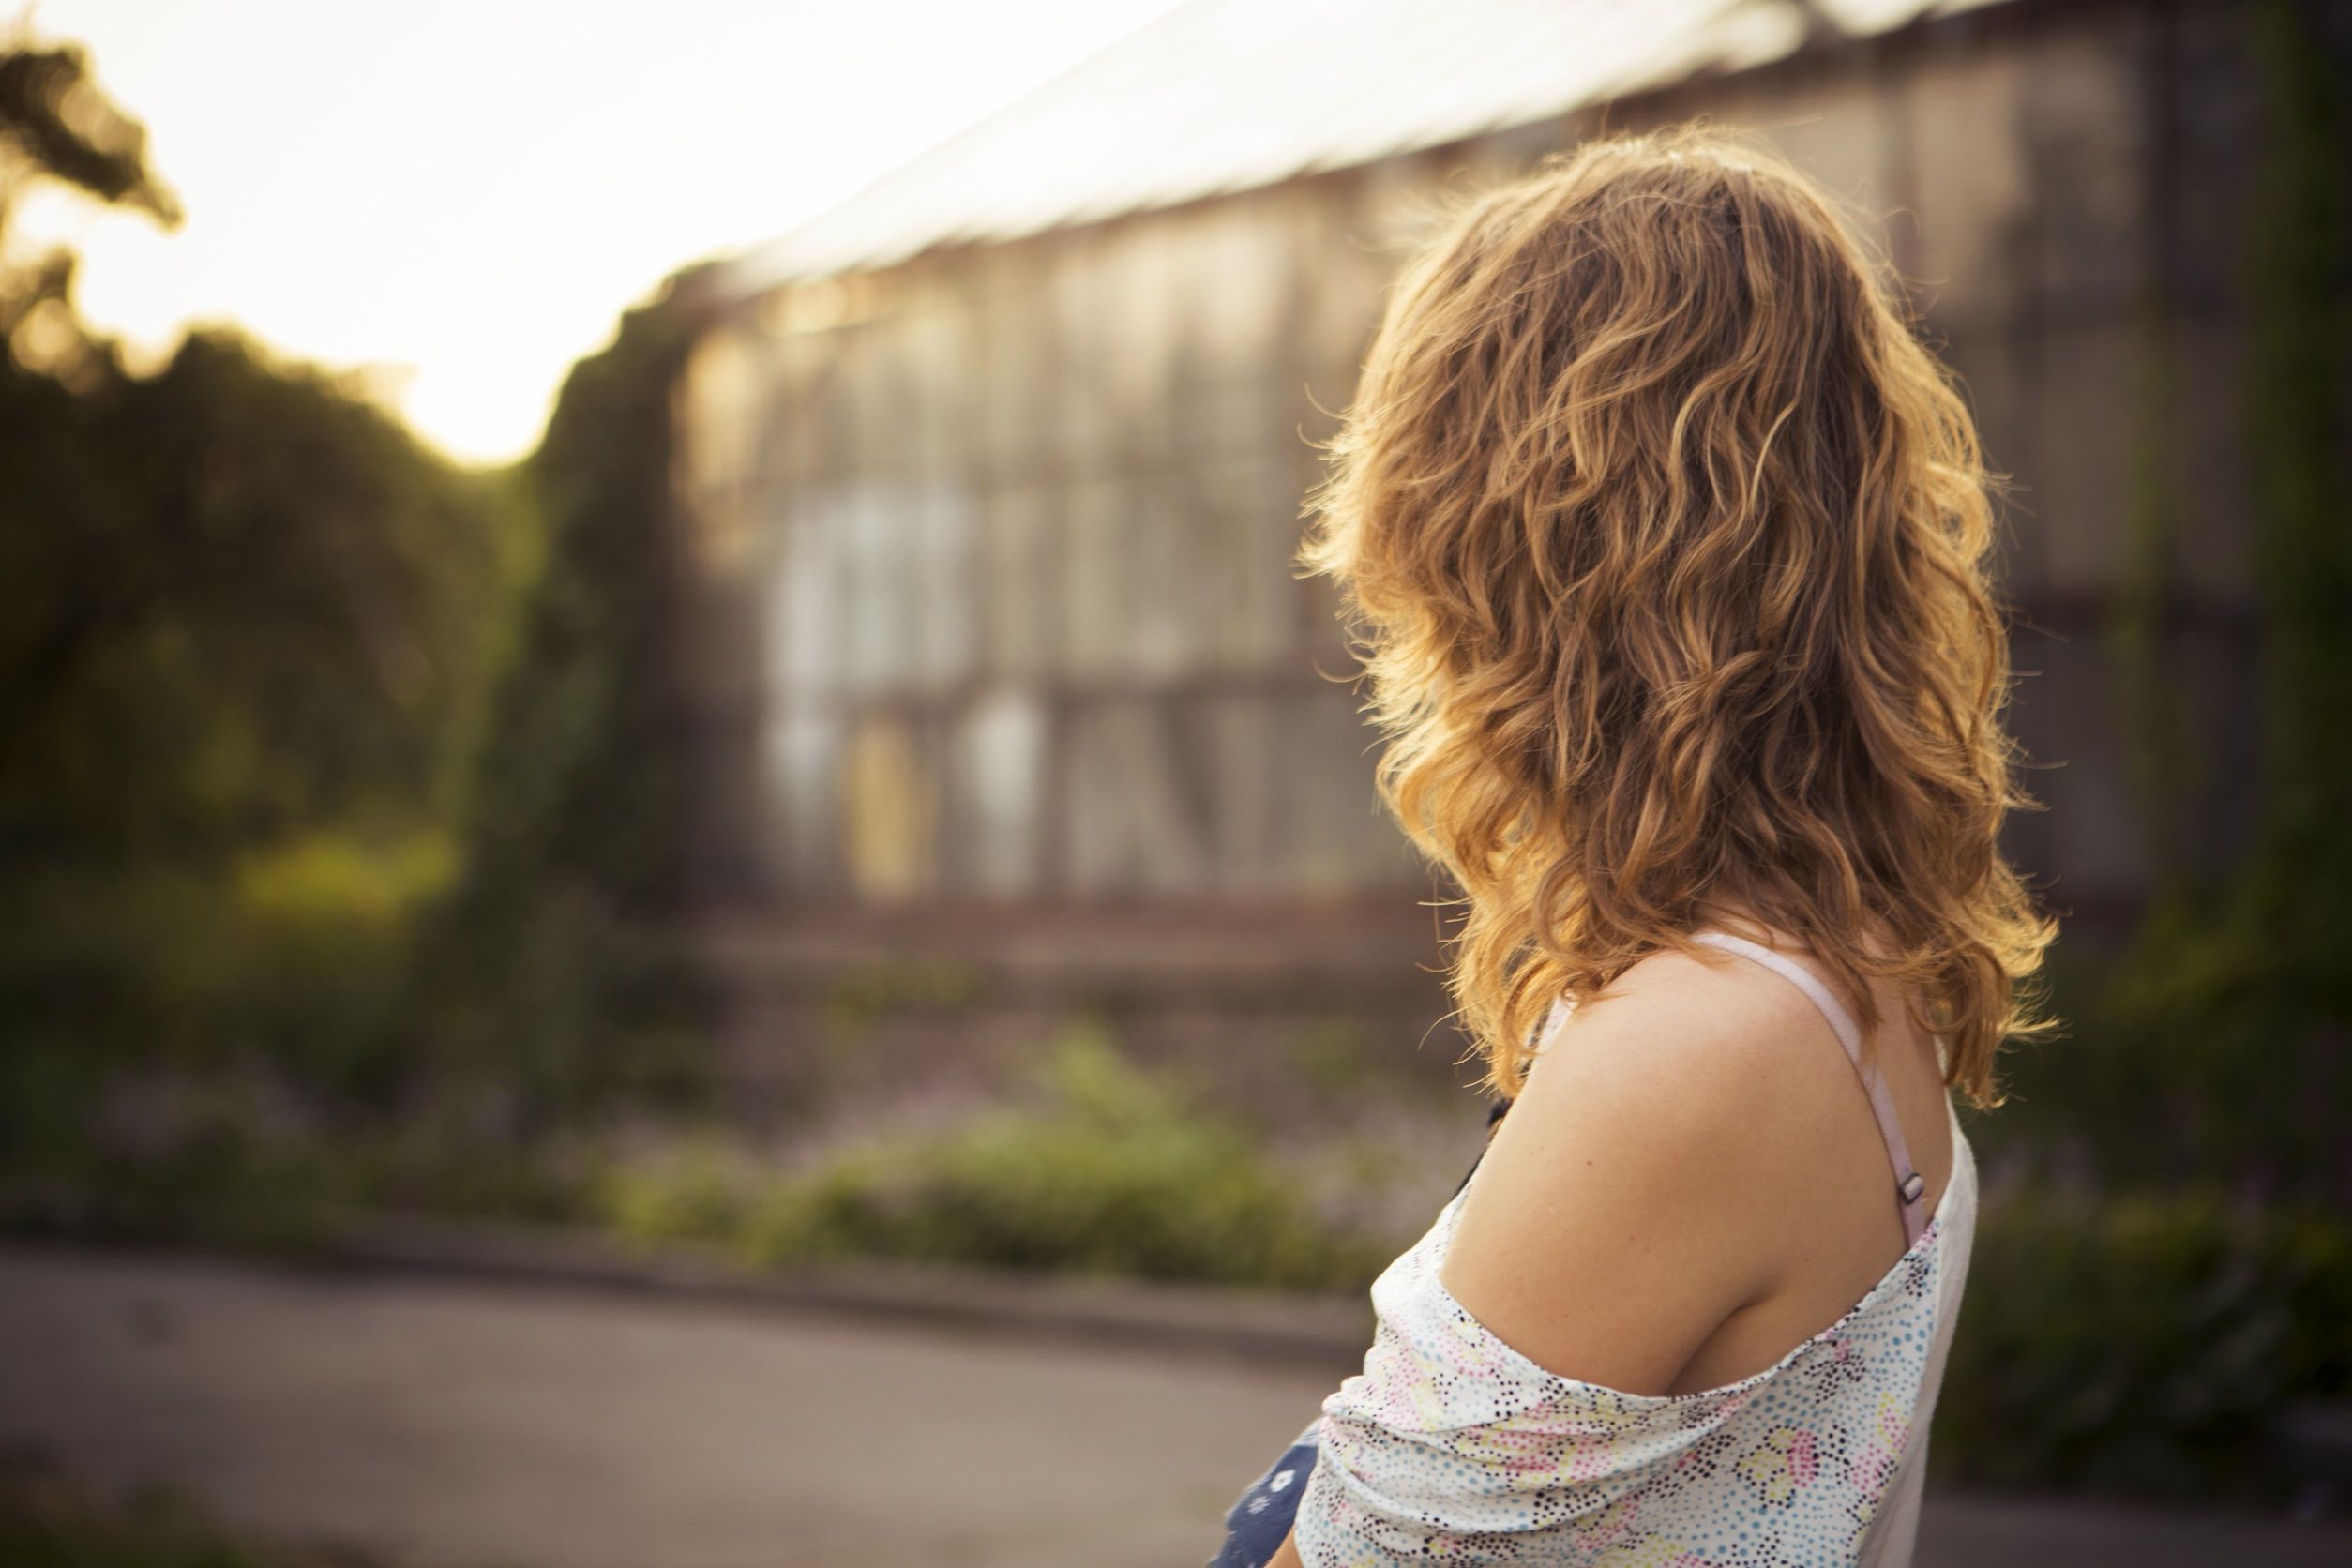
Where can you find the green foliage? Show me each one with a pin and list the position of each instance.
(578, 776)
(234, 601)
(2220, 1041)
(2144, 1345)
(237, 598)
(242, 623)
(2167, 768)
(1103, 1169)
(230, 1158)
(2211, 1071)
(242, 619)
(552, 959)
(2297, 429)
(1110, 1171)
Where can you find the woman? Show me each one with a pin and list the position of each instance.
(1665, 543)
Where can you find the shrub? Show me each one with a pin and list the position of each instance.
(2143, 1343)
(1109, 1170)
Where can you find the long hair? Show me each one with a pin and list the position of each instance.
(1664, 544)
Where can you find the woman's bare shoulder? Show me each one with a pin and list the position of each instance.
(1613, 1223)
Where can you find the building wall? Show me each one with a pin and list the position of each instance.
(996, 548)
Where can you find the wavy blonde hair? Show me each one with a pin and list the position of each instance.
(1664, 544)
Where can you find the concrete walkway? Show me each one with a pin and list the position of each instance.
(449, 1425)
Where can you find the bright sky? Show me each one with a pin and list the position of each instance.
(465, 194)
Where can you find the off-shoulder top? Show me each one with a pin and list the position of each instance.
(1452, 1445)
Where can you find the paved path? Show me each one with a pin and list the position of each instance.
(440, 1425)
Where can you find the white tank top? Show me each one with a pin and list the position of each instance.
(1452, 1445)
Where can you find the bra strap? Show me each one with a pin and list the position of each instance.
(1911, 1187)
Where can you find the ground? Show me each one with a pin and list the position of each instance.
(437, 1424)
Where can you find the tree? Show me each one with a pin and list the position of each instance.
(556, 957)
(244, 618)
(56, 126)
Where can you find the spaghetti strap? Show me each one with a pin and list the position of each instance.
(1911, 1187)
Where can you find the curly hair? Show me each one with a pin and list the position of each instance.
(1664, 544)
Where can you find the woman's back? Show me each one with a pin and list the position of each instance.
(1453, 1443)
(1702, 1138)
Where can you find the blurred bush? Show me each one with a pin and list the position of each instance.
(2143, 1343)
(2217, 1047)
(1107, 1170)
(2174, 1277)
(243, 624)
(554, 969)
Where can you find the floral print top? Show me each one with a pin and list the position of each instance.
(1452, 1446)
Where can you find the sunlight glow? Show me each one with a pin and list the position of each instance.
(461, 198)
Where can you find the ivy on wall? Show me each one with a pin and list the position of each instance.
(559, 973)
(2238, 991)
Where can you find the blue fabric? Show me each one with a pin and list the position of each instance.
(1258, 1522)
